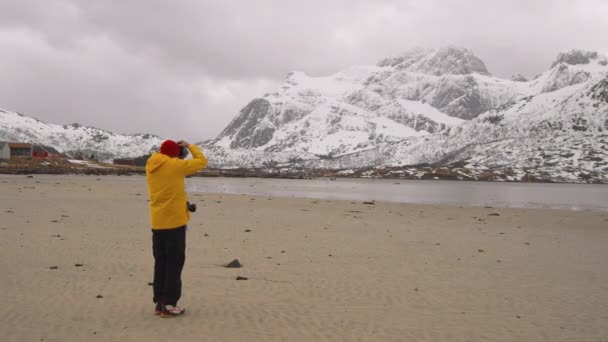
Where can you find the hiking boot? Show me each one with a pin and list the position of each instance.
(158, 309)
(171, 311)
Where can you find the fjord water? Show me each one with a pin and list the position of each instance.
(495, 194)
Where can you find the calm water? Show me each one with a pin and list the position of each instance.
(516, 195)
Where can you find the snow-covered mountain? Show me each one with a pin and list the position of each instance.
(430, 107)
(415, 94)
(424, 107)
(75, 138)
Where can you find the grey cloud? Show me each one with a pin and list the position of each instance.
(187, 67)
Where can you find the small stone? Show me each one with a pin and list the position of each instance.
(437, 244)
(282, 251)
(241, 278)
(493, 214)
(206, 234)
(78, 265)
(150, 284)
(99, 296)
(234, 264)
(370, 202)
(527, 243)
(248, 231)
(54, 267)
(481, 251)
(54, 221)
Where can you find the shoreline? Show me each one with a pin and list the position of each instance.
(456, 172)
(378, 190)
(273, 174)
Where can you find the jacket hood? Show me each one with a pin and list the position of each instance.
(155, 161)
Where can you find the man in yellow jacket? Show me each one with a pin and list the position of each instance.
(169, 215)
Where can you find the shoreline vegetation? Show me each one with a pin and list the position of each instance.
(458, 172)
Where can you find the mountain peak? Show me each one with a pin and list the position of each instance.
(574, 57)
(450, 60)
(407, 58)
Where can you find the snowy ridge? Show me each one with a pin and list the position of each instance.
(75, 138)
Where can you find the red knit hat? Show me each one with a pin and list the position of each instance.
(170, 148)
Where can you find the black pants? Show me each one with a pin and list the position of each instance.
(169, 248)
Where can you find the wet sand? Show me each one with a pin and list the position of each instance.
(76, 262)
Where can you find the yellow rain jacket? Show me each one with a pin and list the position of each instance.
(166, 186)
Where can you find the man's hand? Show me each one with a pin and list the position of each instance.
(183, 143)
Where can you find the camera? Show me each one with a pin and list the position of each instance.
(183, 152)
(191, 207)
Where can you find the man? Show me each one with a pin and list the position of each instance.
(165, 174)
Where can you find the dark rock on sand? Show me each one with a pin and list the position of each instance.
(234, 264)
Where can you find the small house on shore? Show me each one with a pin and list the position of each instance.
(41, 151)
(10, 150)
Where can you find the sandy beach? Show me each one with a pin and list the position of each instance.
(76, 264)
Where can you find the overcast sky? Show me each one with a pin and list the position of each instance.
(184, 68)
